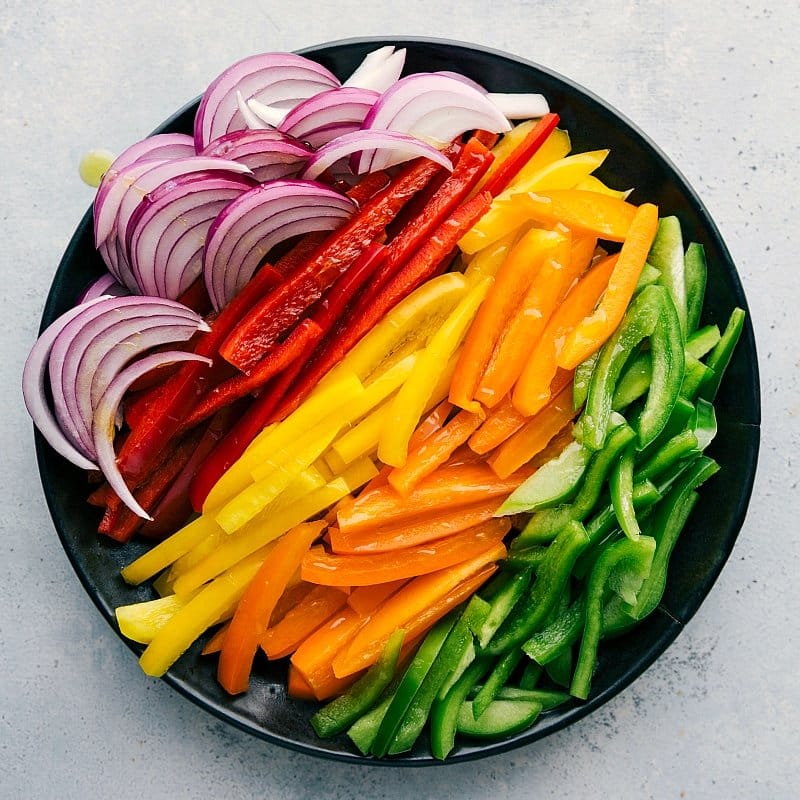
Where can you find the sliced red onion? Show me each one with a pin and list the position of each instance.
(520, 106)
(34, 391)
(463, 78)
(328, 115)
(161, 147)
(379, 69)
(270, 154)
(84, 340)
(251, 120)
(104, 286)
(168, 231)
(432, 107)
(394, 148)
(106, 413)
(280, 79)
(249, 227)
(270, 116)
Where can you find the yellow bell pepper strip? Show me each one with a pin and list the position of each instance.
(487, 262)
(534, 436)
(593, 331)
(260, 532)
(342, 712)
(591, 183)
(533, 388)
(168, 551)
(205, 609)
(252, 615)
(417, 606)
(415, 395)
(589, 212)
(140, 622)
(524, 328)
(511, 282)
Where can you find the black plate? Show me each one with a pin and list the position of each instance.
(701, 552)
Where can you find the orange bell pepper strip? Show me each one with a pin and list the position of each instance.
(313, 610)
(297, 686)
(505, 420)
(511, 282)
(533, 388)
(526, 325)
(364, 599)
(257, 604)
(590, 212)
(214, 644)
(445, 489)
(593, 331)
(446, 522)
(433, 451)
(534, 436)
(420, 604)
(331, 569)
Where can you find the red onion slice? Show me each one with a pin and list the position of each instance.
(269, 116)
(270, 154)
(83, 341)
(327, 115)
(251, 119)
(520, 106)
(432, 107)
(106, 413)
(104, 286)
(34, 391)
(395, 147)
(379, 69)
(272, 78)
(168, 230)
(249, 227)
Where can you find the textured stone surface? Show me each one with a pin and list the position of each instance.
(716, 85)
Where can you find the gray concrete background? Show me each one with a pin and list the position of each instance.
(716, 85)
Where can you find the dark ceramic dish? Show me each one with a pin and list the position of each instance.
(266, 711)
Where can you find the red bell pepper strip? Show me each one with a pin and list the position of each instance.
(302, 250)
(486, 138)
(422, 265)
(164, 417)
(521, 155)
(119, 522)
(271, 317)
(471, 166)
(274, 362)
(196, 297)
(369, 186)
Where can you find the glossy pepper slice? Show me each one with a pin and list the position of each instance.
(721, 355)
(342, 712)
(622, 568)
(501, 718)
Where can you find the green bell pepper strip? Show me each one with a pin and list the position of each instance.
(497, 678)
(341, 713)
(721, 355)
(444, 714)
(679, 419)
(635, 380)
(455, 645)
(704, 423)
(622, 568)
(559, 669)
(665, 527)
(680, 446)
(526, 557)
(650, 315)
(410, 683)
(467, 657)
(553, 483)
(549, 698)
(530, 676)
(581, 380)
(701, 342)
(695, 276)
(667, 255)
(694, 376)
(648, 275)
(548, 643)
(502, 604)
(621, 485)
(551, 580)
(501, 718)
(544, 525)
(364, 730)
